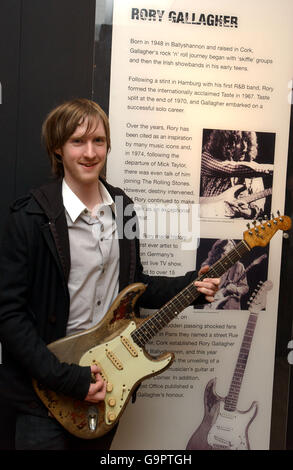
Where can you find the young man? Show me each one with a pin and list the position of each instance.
(61, 266)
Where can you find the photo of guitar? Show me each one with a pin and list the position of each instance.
(237, 169)
(223, 426)
(221, 206)
(116, 344)
(220, 299)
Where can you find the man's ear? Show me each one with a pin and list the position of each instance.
(58, 155)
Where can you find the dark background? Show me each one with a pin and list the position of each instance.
(48, 54)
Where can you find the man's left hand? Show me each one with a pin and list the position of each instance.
(209, 286)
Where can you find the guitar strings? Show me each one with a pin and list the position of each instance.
(171, 309)
(232, 398)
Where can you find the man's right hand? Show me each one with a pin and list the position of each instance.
(97, 390)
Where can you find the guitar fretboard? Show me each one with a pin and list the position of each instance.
(232, 397)
(256, 196)
(144, 333)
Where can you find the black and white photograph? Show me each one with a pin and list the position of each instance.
(239, 282)
(236, 174)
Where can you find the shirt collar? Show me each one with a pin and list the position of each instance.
(74, 206)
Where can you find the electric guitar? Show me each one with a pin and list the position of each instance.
(223, 426)
(116, 345)
(222, 205)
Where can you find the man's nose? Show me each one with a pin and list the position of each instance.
(89, 150)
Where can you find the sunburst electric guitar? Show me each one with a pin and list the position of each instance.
(116, 344)
(223, 426)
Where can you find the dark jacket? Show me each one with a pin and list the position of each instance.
(34, 297)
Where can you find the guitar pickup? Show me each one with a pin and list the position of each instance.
(114, 359)
(125, 341)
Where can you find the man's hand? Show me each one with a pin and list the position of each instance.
(231, 289)
(243, 209)
(97, 390)
(209, 286)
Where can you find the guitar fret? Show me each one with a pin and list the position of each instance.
(245, 347)
(148, 331)
(237, 378)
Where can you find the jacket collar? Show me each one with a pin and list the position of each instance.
(48, 199)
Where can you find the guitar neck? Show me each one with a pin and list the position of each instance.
(256, 196)
(144, 333)
(231, 399)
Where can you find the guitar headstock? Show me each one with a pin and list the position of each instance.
(261, 233)
(258, 299)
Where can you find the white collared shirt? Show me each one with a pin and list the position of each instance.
(94, 251)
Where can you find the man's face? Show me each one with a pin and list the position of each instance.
(240, 151)
(84, 154)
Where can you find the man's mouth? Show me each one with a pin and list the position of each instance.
(88, 165)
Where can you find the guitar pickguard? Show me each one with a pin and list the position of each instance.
(123, 365)
(229, 430)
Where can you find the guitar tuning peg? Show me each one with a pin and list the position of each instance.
(254, 222)
(248, 225)
(273, 216)
(265, 217)
(278, 212)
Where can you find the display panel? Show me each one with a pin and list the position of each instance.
(188, 87)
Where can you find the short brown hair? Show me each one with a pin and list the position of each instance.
(63, 120)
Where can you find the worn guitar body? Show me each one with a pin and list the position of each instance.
(123, 363)
(221, 429)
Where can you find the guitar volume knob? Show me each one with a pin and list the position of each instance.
(109, 387)
(111, 416)
(111, 401)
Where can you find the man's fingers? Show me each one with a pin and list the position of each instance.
(208, 283)
(208, 287)
(97, 390)
(204, 269)
(207, 291)
(95, 369)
